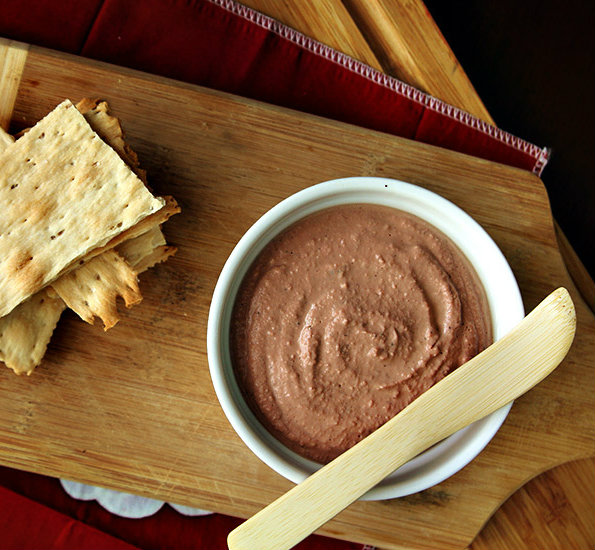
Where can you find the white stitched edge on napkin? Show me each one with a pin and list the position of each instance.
(124, 504)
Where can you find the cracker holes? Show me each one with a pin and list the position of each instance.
(14, 186)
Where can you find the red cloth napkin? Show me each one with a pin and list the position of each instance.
(35, 512)
(222, 45)
(26, 524)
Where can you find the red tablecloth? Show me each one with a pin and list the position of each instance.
(222, 45)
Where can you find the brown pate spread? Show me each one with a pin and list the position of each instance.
(347, 317)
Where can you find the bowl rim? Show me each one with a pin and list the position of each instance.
(446, 457)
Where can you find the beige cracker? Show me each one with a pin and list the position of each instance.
(94, 287)
(26, 331)
(147, 250)
(64, 192)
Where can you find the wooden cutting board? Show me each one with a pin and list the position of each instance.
(133, 409)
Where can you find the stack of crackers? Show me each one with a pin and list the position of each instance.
(77, 225)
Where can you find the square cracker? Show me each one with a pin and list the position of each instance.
(64, 193)
(26, 331)
(92, 289)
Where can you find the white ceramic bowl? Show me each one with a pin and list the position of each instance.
(506, 307)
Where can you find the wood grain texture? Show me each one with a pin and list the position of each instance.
(576, 268)
(412, 48)
(398, 38)
(134, 409)
(12, 60)
(545, 514)
(327, 18)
